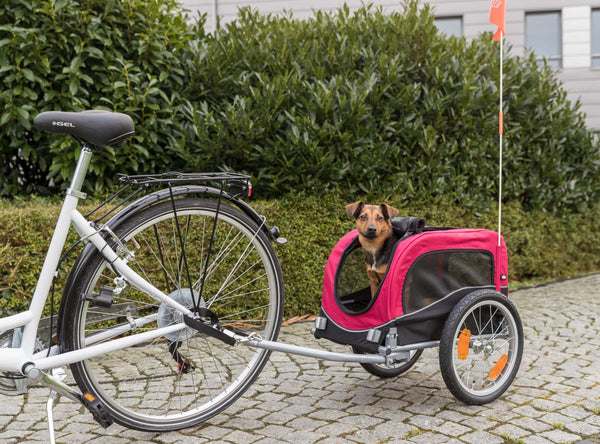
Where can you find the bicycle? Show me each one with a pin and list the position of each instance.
(137, 321)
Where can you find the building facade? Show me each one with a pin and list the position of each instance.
(565, 32)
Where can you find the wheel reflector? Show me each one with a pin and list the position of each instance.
(498, 367)
(464, 339)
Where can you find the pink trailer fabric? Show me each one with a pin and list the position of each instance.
(388, 303)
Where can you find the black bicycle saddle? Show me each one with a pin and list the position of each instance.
(97, 128)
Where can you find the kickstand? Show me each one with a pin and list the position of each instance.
(59, 374)
(49, 405)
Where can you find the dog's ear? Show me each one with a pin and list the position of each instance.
(355, 208)
(391, 212)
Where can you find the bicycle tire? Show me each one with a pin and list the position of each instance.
(148, 387)
(481, 347)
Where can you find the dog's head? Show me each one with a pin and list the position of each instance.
(372, 221)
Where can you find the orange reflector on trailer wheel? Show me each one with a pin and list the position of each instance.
(89, 397)
(464, 339)
(498, 367)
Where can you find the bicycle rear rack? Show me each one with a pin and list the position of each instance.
(175, 177)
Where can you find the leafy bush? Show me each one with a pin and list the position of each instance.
(540, 246)
(357, 104)
(128, 56)
(380, 103)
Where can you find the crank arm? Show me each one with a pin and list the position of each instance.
(53, 383)
(94, 405)
(212, 330)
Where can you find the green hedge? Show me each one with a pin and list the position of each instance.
(129, 56)
(541, 247)
(356, 103)
(381, 104)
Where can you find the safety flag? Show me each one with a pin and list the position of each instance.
(498, 17)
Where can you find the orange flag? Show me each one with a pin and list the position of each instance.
(498, 17)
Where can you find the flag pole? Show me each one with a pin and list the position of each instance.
(500, 130)
(498, 18)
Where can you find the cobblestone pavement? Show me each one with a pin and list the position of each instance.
(554, 399)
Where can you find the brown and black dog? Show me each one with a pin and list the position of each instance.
(376, 236)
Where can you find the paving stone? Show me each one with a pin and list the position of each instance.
(546, 405)
(247, 424)
(9, 407)
(556, 418)
(532, 425)
(168, 437)
(554, 399)
(450, 428)
(528, 411)
(327, 415)
(362, 421)
(365, 437)
(304, 423)
(510, 430)
(582, 428)
(536, 439)
(560, 436)
(480, 423)
(482, 437)
(336, 440)
(336, 429)
(238, 436)
(430, 438)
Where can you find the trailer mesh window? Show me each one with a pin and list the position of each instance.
(352, 287)
(439, 273)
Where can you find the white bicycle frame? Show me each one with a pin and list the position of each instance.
(22, 358)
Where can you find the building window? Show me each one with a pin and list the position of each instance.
(451, 26)
(543, 36)
(595, 37)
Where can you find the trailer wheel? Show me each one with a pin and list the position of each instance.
(481, 347)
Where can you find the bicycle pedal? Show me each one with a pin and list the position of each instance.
(98, 410)
(104, 299)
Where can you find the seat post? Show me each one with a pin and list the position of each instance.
(80, 172)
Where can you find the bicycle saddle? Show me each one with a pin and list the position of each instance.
(95, 127)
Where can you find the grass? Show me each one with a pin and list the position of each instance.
(413, 433)
(508, 440)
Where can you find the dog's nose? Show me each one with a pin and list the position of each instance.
(372, 229)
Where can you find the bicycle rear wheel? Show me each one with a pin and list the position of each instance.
(181, 380)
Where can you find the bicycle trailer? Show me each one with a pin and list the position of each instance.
(429, 273)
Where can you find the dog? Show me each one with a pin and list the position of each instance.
(376, 237)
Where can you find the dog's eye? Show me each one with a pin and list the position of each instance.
(363, 217)
(379, 218)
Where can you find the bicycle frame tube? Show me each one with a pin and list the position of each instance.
(45, 363)
(54, 251)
